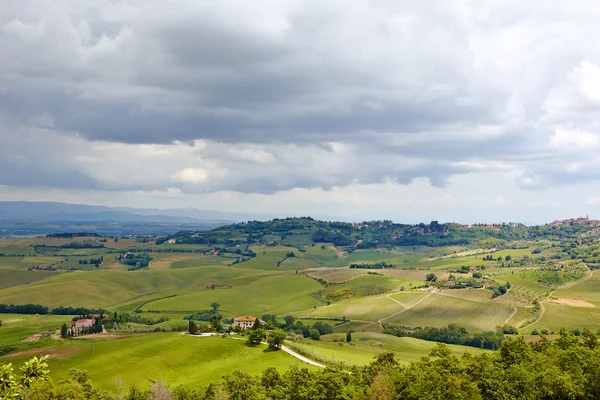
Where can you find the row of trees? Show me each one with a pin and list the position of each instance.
(452, 334)
(43, 310)
(378, 265)
(567, 368)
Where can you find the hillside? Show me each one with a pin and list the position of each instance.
(298, 232)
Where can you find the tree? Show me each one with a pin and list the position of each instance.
(192, 328)
(348, 336)
(256, 325)
(508, 258)
(256, 336)
(215, 306)
(8, 381)
(34, 369)
(289, 321)
(314, 334)
(276, 339)
(431, 278)
(64, 331)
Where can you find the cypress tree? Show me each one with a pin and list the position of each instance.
(64, 331)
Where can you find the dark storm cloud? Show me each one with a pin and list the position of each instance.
(286, 94)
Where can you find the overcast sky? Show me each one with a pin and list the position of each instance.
(407, 110)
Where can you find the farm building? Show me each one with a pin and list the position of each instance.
(209, 285)
(79, 324)
(172, 241)
(245, 322)
(45, 267)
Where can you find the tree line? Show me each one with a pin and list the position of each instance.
(43, 310)
(452, 334)
(379, 265)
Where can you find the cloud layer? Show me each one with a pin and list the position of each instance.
(272, 97)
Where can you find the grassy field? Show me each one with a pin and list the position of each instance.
(17, 327)
(27, 262)
(184, 260)
(177, 359)
(366, 309)
(481, 295)
(370, 285)
(440, 310)
(272, 295)
(558, 316)
(268, 256)
(586, 290)
(366, 345)
(22, 277)
(110, 288)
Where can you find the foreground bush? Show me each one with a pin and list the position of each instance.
(568, 368)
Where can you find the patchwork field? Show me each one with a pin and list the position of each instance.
(314, 283)
(110, 288)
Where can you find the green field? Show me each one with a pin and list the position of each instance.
(17, 327)
(177, 359)
(482, 295)
(22, 277)
(269, 295)
(586, 290)
(440, 310)
(366, 345)
(315, 284)
(366, 309)
(558, 316)
(110, 288)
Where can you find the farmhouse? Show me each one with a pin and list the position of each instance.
(209, 285)
(45, 267)
(172, 241)
(79, 324)
(245, 322)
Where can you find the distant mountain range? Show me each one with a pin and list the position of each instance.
(52, 211)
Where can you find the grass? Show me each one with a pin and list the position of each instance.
(370, 285)
(409, 299)
(16, 327)
(558, 316)
(22, 277)
(269, 295)
(350, 326)
(27, 262)
(365, 309)
(439, 310)
(481, 295)
(586, 290)
(366, 345)
(267, 257)
(106, 288)
(184, 260)
(172, 357)
(17, 250)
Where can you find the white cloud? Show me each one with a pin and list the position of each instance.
(573, 139)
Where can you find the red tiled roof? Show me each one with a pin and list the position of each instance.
(246, 318)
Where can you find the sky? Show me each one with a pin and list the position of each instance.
(465, 111)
